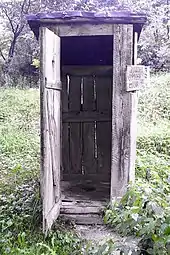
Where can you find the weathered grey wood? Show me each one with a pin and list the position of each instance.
(133, 134)
(54, 85)
(88, 219)
(103, 130)
(89, 160)
(88, 116)
(50, 127)
(122, 56)
(81, 209)
(88, 70)
(135, 48)
(65, 126)
(83, 30)
(75, 128)
(53, 214)
(93, 176)
(78, 190)
(133, 119)
(87, 203)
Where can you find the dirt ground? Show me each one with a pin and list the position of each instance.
(102, 234)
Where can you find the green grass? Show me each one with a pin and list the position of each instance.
(19, 132)
(143, 211)
(20, 203)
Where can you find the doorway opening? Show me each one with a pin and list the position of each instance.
(86, 118)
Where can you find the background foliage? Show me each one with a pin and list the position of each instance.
(19, 48)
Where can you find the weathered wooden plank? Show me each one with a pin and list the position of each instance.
(88, 203)
(88, 116)
(103, 130)
(93, 177)
(50, 127)
(53, 126)
(75, 128)
(53, 213)
(122, 56)
(83, 30)
(89, 160)
(133, 118)
(87, 70)
(81, 210)
(133, 135)
(135, 48)
(65, 126)
(88, 219)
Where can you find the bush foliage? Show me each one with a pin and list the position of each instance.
(144, 211)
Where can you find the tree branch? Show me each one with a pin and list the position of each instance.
(2, 55)
(9, 19)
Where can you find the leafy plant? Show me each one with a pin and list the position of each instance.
(144, 211)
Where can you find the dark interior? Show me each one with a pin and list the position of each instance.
(87, 50)
(86, 117)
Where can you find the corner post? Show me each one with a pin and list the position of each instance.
(121, 110)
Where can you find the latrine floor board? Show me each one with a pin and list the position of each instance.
(84, 202)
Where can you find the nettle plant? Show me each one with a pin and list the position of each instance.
(145, 212)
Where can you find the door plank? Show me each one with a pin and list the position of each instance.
(89, 160)
(65, 127)
(103, 129)
(50, 126)
(75, 128)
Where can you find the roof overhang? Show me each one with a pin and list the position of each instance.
(81, 17)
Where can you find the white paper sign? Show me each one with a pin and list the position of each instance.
(137, 77)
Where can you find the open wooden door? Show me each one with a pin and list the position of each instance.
(50, 126)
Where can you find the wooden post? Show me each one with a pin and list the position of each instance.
(133, 120)
(121, 110)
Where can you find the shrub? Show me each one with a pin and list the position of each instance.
(144, 211)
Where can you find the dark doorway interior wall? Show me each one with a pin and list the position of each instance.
(87, 50)
(86, 107)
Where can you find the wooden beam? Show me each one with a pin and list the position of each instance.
(83, 29)
(86, 116)
(122, 56)
(88, 177)
(87, 70)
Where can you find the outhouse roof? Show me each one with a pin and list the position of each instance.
(79, 17)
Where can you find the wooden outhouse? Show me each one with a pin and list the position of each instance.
(89, 79)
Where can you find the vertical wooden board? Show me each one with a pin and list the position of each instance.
(133, 135)
(49, 195)
(103, 129)
(65, 127)
(122, 56)
(75, 128)
(50, 126)
(133, 117)
(89, 161)
(52, 164)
